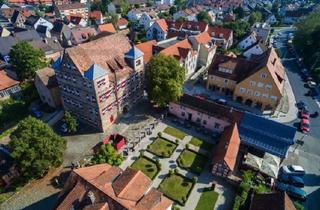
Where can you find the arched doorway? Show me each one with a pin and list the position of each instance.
(249, 102)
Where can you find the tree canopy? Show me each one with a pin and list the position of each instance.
(165, 78)
(239, 12)
(306, 41)
(71, 122)
(204, 16)
(36, 148)
(26, 60)
(172, 10)
(255, 17)
(107, 154)
(239, 28)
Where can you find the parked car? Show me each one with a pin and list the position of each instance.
(311, 84)
(301, 105)
(297, 193)
(221, 101)
(304, 114)
(295, 170)
(36, 113)
(305, 125)
(296, 181)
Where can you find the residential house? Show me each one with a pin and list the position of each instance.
(104, 186)
(18, 19)
(76, 8)
(96, 17)
(207, 48)
(122, 24)
(147, 19)
(59, 27)
(277, 200)
(248, 41)
(226, 153)
(189, 14)
(75, 21)
(147, 48)
(164, 2)
(99, 83)
(26, 2)
(47, 87)
(81, 35)
(256, 82)
(41, 25)
(107, 28)
(183, 51)
(158, 30)
(4, 32)
(223, 36)
(6, 23)
(262, 31)
(256, 49)
(50, 46)
(257, 133)
(8, 85)
(271, 19)
(225, 5)
(136, 13)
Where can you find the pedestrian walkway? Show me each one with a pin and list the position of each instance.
(204, 179)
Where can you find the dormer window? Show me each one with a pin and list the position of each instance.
(263, 75)
(225, 70)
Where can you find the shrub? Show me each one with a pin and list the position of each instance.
(237, 203)
(148, 147)
(187, 146)
(177, 141)
(163, 154)
(176, 171)
(171, 172)
(181, 161)
(184, 199)
(174, 207)
(160, 134)
(198, 169)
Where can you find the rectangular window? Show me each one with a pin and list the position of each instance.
(265, 95)
(226, 81)
(274, 98)
(260, 85)
(252, 83)
(250, 92)
(263, 75)
(183, 114)
(268, 86)
(257, 94)
(242, 90)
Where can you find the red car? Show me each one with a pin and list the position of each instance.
(304, 125)
(304, 114)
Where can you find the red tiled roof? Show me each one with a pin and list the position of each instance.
(147, 48)
(108, 27)
(95, 15)
(178, 50)
(272, 201)
(162, 24)
(228, 147)
(216, 31)
(6, 81)
(122, 22)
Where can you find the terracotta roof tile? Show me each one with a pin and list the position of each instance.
(228, 147)
(77, 192)
(97, 206)
(95, 15)
(147, 49)
(162, 24)
(108, 27)
(216, 31)
(122, 22)
(179, 50)
(6, 81)
(279, 201)
(131, 185)
(154, 200)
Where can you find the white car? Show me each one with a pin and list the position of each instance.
(293, 170)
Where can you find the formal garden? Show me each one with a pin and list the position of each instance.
(200, 143)
(162, 147)
(148, 166)
(208, 199)
(177, 187)
(192, 161)
(175, 132)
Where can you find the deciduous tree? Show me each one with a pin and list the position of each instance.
(107, 154)
(204, 16)
(36, 148)
(165, 78)
(71, 122)
(26, 60)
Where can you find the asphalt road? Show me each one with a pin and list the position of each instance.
(307, 155)
(297, 83)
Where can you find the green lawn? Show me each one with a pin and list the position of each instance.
(192, 161)
(202, 144)
(162, 147)
(175, 132)
(147, 166)
(176, 187)
(207, 200)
